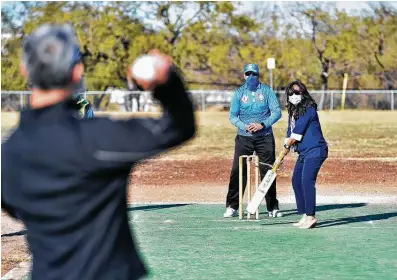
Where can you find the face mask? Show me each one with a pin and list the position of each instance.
(295, 99)
(252, 82)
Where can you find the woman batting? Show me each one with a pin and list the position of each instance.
(305, 136)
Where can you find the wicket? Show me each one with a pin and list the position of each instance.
(248, 160)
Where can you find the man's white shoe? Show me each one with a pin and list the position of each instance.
(230, 212)
(275, 214)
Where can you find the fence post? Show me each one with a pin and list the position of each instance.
(344, 91)
(202, 101)
(20, 101)
(392, 100)
(332, 100)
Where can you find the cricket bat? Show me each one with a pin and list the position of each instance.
(264, 186)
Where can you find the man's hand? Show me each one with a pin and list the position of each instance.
(286, 151)
(254, 127)
(161, 64)
(247, 128)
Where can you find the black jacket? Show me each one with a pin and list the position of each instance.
(66, 179)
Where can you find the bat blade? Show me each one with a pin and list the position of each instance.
(262, 190)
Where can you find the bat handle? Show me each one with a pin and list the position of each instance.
(278, 161)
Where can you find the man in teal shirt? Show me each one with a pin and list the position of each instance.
(254, 109)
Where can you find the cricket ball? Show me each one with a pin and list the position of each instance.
(144, 68)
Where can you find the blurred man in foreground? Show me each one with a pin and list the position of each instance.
(65, 178)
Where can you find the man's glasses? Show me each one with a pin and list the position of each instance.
(249, 73)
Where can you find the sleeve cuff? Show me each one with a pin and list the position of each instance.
(297, 137)
(239, 124)
(242, 127)
(267, 124)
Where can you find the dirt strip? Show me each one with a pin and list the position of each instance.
(217, 171)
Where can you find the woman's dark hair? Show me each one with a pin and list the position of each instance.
(307, 100)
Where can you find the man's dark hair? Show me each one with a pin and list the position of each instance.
(49, 55)
(307, 101)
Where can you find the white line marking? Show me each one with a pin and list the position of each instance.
(290, 199)
(237, 221)
(264, 228)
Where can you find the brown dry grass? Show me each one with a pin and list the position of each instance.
(350, 133)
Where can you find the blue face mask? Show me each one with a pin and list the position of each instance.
(252, 82)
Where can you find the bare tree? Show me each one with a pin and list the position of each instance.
(314, 22)
(385, 15)
(175, 18)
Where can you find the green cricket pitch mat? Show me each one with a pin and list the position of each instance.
(194, 241)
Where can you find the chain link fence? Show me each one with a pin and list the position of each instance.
(138, 101)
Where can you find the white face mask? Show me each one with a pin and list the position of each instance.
(295, 99)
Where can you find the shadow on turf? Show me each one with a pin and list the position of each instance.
(134, 208)
(327, 207)
(17, 233)
(359, 219)
(154, 207)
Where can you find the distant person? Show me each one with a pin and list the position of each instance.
(130, 98)
(66, 178)
(254, 109)
(83, 107)
(305, 136)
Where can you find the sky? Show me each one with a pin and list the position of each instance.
(352, 7)
(349, 6)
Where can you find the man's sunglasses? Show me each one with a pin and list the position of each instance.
(249, 73)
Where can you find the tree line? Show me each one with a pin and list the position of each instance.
(211, 41)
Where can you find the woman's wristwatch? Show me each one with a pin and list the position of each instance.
(287, 147)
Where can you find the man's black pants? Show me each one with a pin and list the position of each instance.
(264, 146)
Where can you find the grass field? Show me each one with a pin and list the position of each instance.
(182, 241)
(190, 241)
